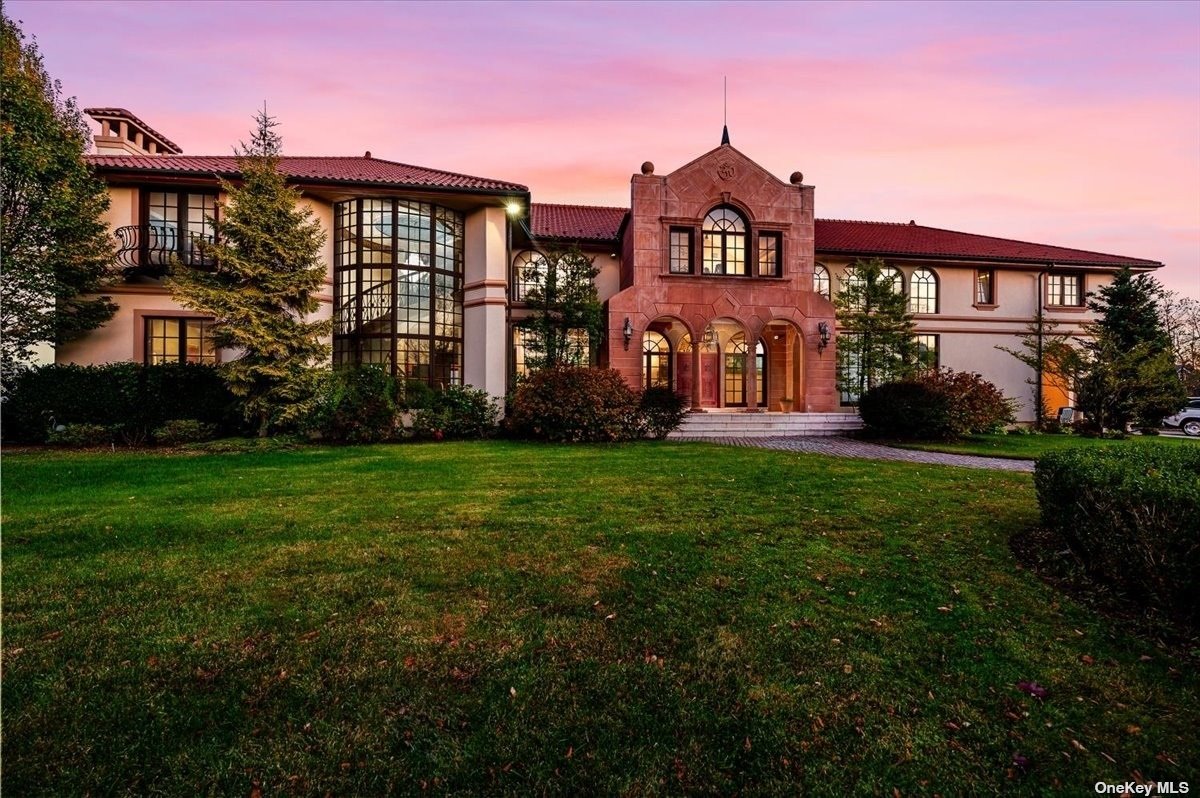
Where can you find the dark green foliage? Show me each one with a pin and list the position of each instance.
(906, 410)
(128, 397)
(81, 435)
(1053, 357)
(184, 430)
(354, 405)
(1132, 375)
(54, 245)
(976, 405)
(457, 412)
(1131, 514)
(876, 343)
(263, 289)
(566, 317)
(574, 404)
(417, 395)
(663, 410)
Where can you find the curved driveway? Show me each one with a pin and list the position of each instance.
(846, 447)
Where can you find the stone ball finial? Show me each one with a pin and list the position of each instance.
(797, 178)
(648, 168)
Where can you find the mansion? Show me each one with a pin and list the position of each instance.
(716, 280)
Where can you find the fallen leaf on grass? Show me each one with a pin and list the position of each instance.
(1033, 688)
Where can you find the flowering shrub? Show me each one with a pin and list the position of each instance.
(575, 404)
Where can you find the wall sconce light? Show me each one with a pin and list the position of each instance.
(627, 331)
(823, 331)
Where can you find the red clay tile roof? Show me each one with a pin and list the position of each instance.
(891, 238)
(96, 113)
(354, 170)
(580, 222)
(850, 238)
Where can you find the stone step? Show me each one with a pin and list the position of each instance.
(699, 426)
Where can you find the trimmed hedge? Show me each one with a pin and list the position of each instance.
(130, 399)
(1131, 514)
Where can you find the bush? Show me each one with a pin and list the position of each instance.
(184, 430)
(663, 411)
(576, 404)
(417, 395)
(906, 410)
(355, 404)
(936, 405)
(458, 412)
(1131, 514)
(81, 435)
(132, 398)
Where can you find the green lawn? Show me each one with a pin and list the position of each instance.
(644, 619)
(1030, 447)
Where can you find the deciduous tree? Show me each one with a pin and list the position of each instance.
(55, 248)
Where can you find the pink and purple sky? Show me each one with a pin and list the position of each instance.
(1075, 124)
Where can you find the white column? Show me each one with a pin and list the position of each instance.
(485, 301)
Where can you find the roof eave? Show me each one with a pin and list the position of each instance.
(1132, 264)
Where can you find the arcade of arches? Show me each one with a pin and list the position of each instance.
(727, 367)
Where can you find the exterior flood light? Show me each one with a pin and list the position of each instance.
(513, 207)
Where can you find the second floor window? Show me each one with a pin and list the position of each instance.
(681, 250)
(724, 243)
(923, 292)
(529, 268)
(176, 222)
(769, 248)
(985, 287)
(821, 283)
(1064, 289)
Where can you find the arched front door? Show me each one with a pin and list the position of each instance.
(736, 364)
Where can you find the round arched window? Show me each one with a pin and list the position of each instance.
(724, 242)
(529, 269)
(821, 283)
(656, 352)
(923, 292)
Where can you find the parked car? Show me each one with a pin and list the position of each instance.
(1187, 419)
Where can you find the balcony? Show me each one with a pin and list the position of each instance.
(149, 250)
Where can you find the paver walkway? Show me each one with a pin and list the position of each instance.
(847, 447)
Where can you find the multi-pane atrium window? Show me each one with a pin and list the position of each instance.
(923, 292)
(681, 250)
(179, 340)
(1064, 289)
(985, 287)
(821, 283)
(724, 242)
(529, 269)
(176, 223)
(769, 247)
(398, 288)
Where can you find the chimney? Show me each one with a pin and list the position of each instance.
(122, 133)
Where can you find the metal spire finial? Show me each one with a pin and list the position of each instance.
(725, 121)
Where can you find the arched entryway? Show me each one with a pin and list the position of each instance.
(737, 365)
(783, 367)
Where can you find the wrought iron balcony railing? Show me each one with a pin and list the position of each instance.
(149, 249)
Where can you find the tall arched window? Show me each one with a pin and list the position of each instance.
(735, 370)
(851, 280)
(821, 284)
(656, 353)
(724, 242)
(398, 288)
(526, 268)
(923, 292)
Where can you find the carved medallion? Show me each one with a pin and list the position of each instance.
(725, 170)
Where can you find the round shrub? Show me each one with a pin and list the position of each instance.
(663, 410)
(355, 404)
(575, 404)
(976, 405)
(906, 410)
(457, 412)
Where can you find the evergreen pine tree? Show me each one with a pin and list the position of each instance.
(877, 343)
(262, 288)
(1131, 375)
(566, 318)
(55, 247)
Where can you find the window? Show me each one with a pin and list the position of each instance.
(735, 370)
(852, 280)
(850, 378)
(923, 292)
(179, 340)
(656, 354)
(985, 287)
(576, 350)
(890, 274)
(526, 268)
(1064, 289)
(928, 354)
(770, 245)
(821, 284)
(398, 288)
(174, 224)
(681, 250)
(724, 243)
